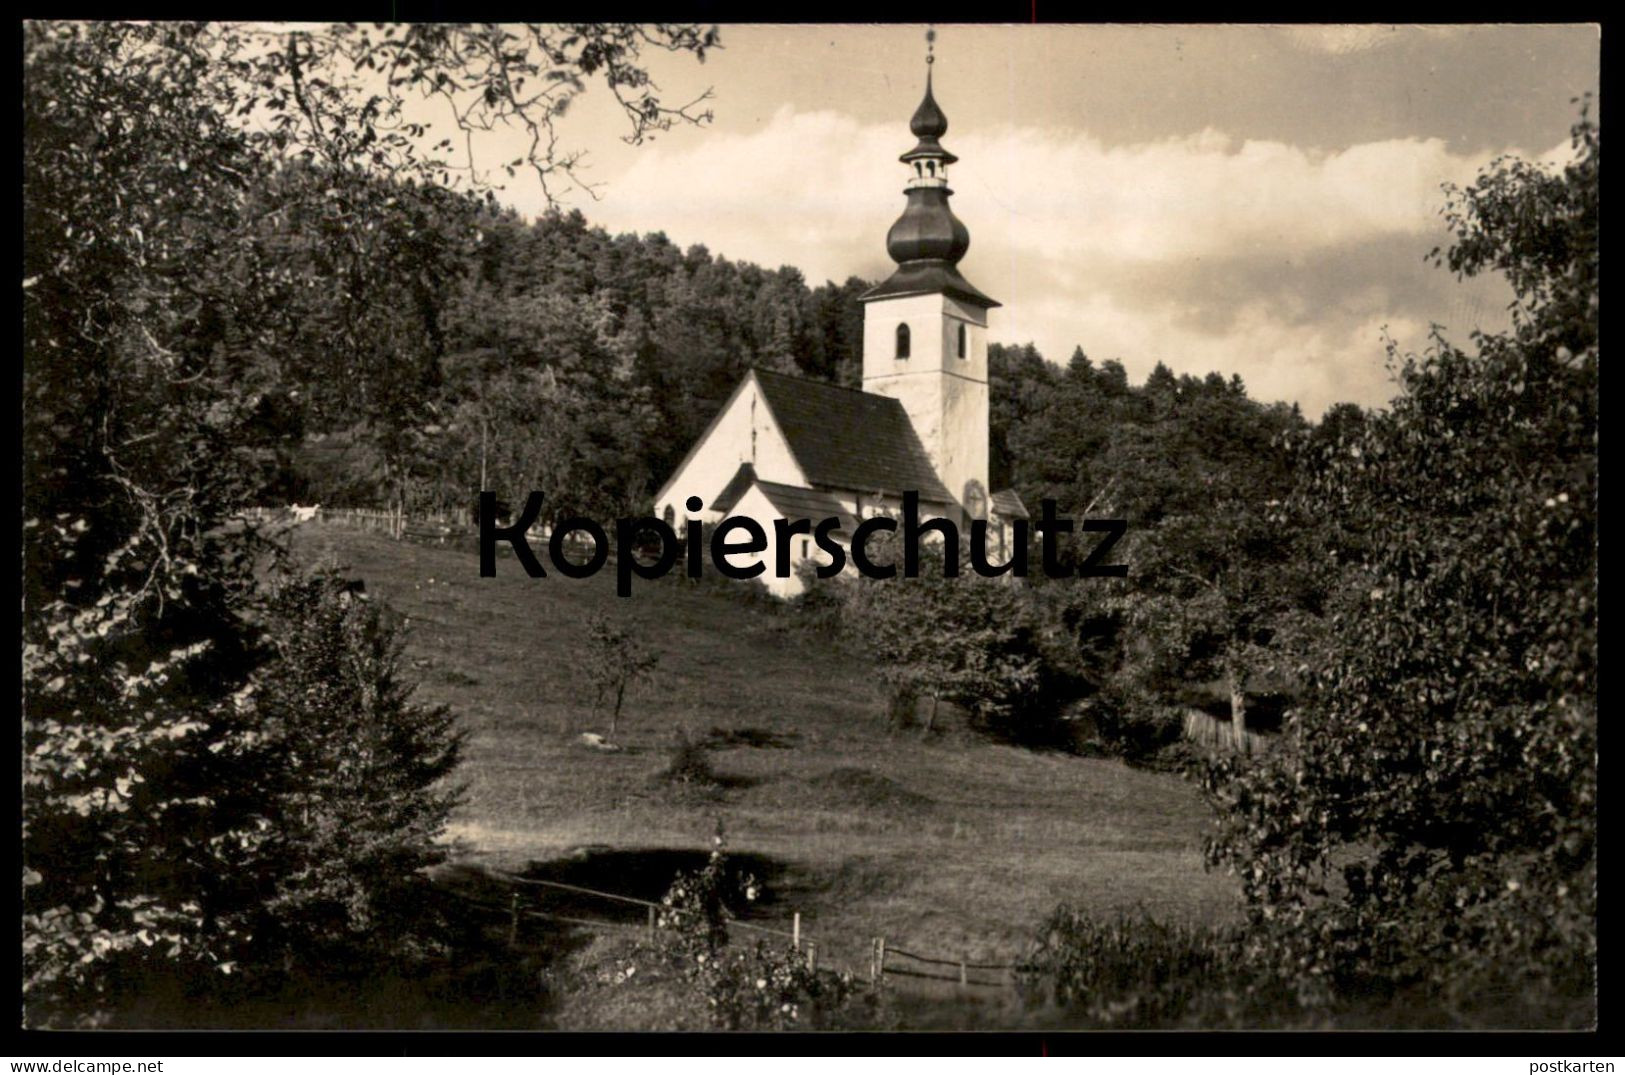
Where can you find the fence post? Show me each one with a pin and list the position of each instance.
(812, 955)
(513, 919)
(651, 925)
(880, 959)
(795, 930)
(963, 980)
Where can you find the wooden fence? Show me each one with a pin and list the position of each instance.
(883, 958)
(436, 528)
(1206, 730)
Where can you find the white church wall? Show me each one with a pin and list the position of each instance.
(756, 506)
(923, 315)
(867, 505)
(965, 416)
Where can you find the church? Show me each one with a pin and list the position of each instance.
(786, 447)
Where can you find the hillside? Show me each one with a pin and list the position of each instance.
(956, 846)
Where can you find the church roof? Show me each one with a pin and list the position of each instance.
(846, 439)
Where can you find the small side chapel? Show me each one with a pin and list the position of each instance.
(786, 447)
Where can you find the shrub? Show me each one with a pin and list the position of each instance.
(770, 987)
(901, 704)
(614, 660)
(1135, 727)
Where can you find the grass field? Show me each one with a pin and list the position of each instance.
(954, 847)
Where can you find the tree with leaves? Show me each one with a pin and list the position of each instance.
(1428, 827)
(353, 779)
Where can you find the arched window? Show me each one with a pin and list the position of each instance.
(670, 515)
(902, 341)
(962, 339)
(931, 166)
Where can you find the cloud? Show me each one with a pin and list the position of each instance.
(1269, 260)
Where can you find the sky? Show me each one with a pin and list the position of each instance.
(1256, 200)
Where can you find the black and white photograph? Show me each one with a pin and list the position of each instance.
(833, 528)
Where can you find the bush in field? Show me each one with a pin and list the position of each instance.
(1138, 727)
(770, 987)
(1134, 973)
(615, 660)
(963, 639)
(690, 762)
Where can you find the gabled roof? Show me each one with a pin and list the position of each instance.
(843, 438)
(1009, 505)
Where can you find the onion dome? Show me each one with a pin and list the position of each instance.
(927, 229)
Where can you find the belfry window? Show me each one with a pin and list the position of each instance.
(962, 339)
(902, 341)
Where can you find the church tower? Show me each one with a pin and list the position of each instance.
(925, 327)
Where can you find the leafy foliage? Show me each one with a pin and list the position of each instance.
(1135, 973)
(355, 779)
(139, 438)
(1454, 681)
(963, 639)
(759, 987)
(696, 907)
(690, 762)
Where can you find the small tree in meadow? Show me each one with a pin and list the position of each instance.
(615, 660)
(961, 639)
(355, 778)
